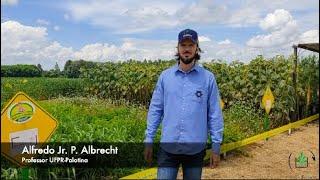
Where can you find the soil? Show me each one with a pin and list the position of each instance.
(269, 159)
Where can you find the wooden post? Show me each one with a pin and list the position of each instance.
(294, 78)
(225, 155)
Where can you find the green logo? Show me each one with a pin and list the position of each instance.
(21, 112)
(301, 161)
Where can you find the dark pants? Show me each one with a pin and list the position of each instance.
(168, 165)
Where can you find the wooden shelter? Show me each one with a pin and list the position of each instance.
(308, 46)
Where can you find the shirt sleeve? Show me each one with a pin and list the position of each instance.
(215, 118)
(155, 112)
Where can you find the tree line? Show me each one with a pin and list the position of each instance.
(71, 69)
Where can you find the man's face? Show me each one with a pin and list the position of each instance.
(187, 50)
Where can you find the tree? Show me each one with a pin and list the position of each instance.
(40, 68)
(56, 68)
(67, 65)
(20, 70)
(72, 68)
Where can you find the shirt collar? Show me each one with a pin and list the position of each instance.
(195, 67)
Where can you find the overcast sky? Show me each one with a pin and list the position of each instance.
(47, 32)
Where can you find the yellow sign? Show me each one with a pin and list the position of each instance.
(267, 100)
(24, 122)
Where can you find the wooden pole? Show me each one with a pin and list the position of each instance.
(294, 78)
(225, 155)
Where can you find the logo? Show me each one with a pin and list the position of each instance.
(187, 35)
(301, 160)
(198, 94)
(21, 112)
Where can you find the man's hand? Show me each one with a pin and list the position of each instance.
(148, 154)
(214, 160)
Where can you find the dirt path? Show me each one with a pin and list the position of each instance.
(270, 159)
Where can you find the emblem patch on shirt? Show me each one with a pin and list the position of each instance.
(198, 94)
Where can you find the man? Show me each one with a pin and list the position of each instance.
(186, 101)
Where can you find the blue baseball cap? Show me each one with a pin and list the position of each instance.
(188, 34)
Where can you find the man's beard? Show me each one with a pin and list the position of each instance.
(187, 60)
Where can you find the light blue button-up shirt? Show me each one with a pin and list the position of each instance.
(188, 105)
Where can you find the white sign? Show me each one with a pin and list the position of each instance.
(19, 139)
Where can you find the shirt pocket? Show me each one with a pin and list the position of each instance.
(198, 95)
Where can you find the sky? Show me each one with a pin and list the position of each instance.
(49, 32)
